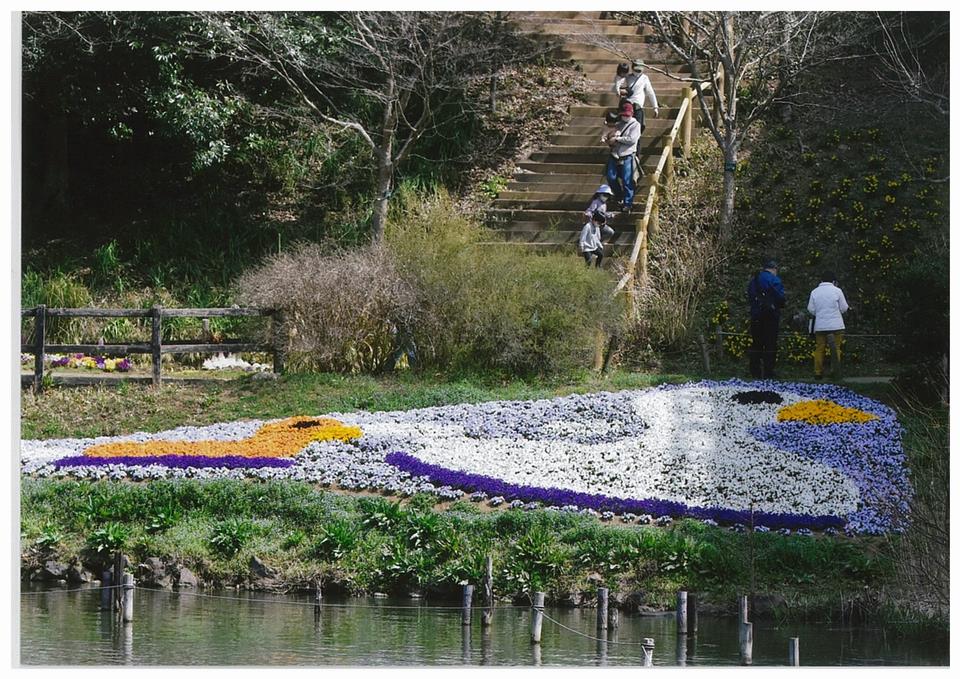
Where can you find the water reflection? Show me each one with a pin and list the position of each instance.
(59, 628)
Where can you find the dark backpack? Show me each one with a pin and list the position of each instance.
(763, 297)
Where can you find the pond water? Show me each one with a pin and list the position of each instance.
(59, 627)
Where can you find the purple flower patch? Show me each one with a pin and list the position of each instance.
(558, 496)
(176, 461)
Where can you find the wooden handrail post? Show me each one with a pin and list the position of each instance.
(156, 343)
(654, 222)
(668, 169)
(279, 341)
(687, 125)
(40, 328)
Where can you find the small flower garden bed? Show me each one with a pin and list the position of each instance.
(778, 455)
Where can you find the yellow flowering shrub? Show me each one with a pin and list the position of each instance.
(285, 438)
(822, 411)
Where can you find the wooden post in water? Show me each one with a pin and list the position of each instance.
(117, 580)
(536, 618)
(746, 643)
(647, 647)
(128, 587)
(40, 330)
(603, 599)
(318, 598)
(743, 617)
(106, 591)
(486, 619)
(692, 617)
(467, 604)
(156, 343)
(614, 616)
(793, 652)
(681, 612)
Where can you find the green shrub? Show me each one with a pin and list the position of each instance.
(491, 307)
(229, 536)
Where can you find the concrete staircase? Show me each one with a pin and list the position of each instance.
(543, 203)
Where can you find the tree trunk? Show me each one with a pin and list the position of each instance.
(729, 188)
(382, 202)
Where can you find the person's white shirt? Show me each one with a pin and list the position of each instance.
(590, 237)
(828, 305)
(639, 86)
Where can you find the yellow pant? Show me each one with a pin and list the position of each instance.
(821, 349)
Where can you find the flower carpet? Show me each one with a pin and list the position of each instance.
(778, 455)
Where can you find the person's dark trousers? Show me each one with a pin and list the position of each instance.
(598, 253)
(763, 349)
(638, 114)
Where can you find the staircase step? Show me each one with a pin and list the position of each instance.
(541, 191)
(571, 203)
(556, 219)
(668, 107)
(586, 166)
(590, 129)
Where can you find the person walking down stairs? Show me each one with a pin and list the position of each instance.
(599, 204)
(637, 88)
(620, 164)
(591, 243)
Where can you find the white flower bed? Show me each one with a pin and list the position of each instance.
(672, 451)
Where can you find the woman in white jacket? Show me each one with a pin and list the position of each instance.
(827, 304)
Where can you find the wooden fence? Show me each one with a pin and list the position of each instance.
(156, 347)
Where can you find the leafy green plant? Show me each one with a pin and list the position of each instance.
(229, 536)
(111, 537)
(50, 536)
(336, 539)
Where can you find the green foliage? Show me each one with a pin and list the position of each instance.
(49, 537)
(111, 537)
(336, 539)
(499, 309)
(230, 535)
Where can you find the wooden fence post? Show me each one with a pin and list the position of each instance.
(687, 125)
(117, 580)
(647, 646)
(466, 606)
(746, 643)
(603, 600)
(128, 586)
(653, 224)
(536, 620)
(681, 612)
(279, 341)
(40, 330)
(719, 343)
(486, 618)
(692, 615)
(156, 343)
(106, 591)
(793, 653)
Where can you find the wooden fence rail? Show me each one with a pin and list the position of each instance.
(156, 347)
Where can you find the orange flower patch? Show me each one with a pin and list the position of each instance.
(285, 438)
(822, 411)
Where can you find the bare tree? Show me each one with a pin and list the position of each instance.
(381, 75)
(913, 58)
(746, 62)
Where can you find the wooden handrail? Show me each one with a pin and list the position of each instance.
(686, 108)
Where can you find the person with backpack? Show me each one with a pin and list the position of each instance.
(766, 297)
(591, 243)
(827, 305)
(599, 204)
(638, 87)
(620, 164)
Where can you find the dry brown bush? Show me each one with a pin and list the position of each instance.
(343, 308)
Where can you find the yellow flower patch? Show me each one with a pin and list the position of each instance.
(822, 411)
(285, 438)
